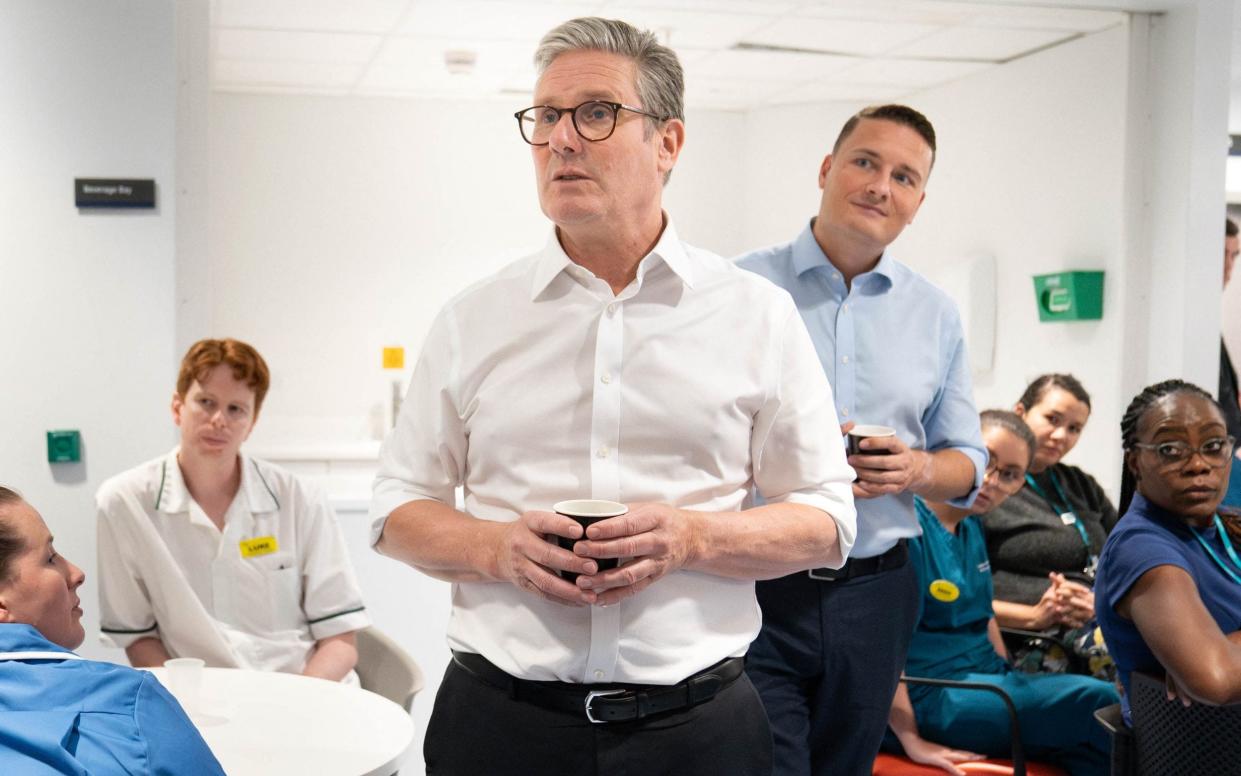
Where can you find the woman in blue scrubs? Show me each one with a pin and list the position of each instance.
(957, 638)
(1168, 593)
(58, 712)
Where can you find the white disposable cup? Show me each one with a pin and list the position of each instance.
(185, 679)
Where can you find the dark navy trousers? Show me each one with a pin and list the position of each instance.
(826, 665)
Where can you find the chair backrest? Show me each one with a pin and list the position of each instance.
(1172, 739)
(386, 669)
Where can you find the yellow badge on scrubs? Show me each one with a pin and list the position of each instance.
(943, 590)
(263, 545)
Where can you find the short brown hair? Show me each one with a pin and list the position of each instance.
(897, 114)
(247, 365)
(11, 544)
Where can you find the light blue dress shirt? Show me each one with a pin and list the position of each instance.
(893, 349)
(74, 716)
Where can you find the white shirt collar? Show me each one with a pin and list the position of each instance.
(553, 260)
(173, 497)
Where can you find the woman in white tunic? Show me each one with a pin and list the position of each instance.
(207, 552)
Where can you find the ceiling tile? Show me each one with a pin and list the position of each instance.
(353, 16)
(755, 7)
(819, 91)
(1068, 19)
(320, 75)
(839, 35)
(911, 72)
(993, 44)
(751, 65)
(701, 29)
(295, 46)
(491, 19)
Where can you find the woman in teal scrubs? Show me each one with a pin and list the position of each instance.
(957, 638)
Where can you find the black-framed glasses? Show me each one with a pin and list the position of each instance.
(1011, 478)
(594, 120)
(1216, 451)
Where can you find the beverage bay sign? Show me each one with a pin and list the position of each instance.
(114, 192)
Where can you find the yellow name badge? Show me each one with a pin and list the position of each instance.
(263, 545)
(943, 590)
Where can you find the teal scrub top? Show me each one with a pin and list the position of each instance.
(954, 602)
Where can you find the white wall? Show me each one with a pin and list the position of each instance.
(341, 225)
(1030, 160)
(86, 298)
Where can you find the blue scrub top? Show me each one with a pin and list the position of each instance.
(76, 716)
(954, 603)
(1149, 536)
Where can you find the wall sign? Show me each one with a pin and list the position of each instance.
(114, 192)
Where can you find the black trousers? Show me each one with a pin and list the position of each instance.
(478, 730)
(826, 665)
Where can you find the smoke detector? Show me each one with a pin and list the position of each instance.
(460, 61)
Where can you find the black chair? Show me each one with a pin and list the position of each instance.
(889, 764)
(1170, 739)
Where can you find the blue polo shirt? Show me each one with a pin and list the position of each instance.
(1148, 536)
(893, 350)
(73, 716)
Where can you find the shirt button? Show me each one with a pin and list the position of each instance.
(611, 310)
(844, 412)
(603, 452)
(844, 359)
(835, 276)
(846, 308)
(599, 674)
(606, 378)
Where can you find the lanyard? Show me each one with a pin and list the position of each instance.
(1232, 554)
(33, 655)
(1063, 508)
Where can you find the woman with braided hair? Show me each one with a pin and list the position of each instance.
(1168, 591)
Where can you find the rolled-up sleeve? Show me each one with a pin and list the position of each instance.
(796, 445)
(951, 422)
(424, 455)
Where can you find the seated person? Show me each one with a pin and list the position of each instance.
(1169, 586)
(1052, 529)
(206, 552)
(957, 638)
(58, 712)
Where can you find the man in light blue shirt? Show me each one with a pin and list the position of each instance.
(834, 641)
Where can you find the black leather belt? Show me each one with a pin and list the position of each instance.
(859, 567)
(607, 703)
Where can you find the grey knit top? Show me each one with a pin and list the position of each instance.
(1026, 538)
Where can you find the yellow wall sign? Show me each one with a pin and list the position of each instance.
(394, 358)
(263, 545)
(943, 590)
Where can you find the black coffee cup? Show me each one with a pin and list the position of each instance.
(587, 512)
(858, 433)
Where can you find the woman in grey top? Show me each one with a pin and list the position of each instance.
(1044, 541)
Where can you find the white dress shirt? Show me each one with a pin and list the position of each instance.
(694, 384)
(258, 594)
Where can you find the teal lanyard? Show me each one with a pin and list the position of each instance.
(1065, 508)
(1232, 554)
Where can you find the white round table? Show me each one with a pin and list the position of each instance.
(261, 723)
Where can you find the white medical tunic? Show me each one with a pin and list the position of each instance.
(256, 595)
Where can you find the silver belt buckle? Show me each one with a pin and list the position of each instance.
(590, 696)
(814, 574)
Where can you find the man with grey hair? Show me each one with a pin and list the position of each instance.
(617, 363)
